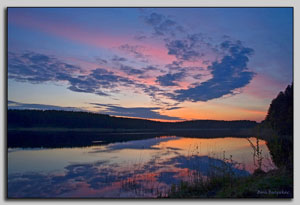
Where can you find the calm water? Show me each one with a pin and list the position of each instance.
(138, 168)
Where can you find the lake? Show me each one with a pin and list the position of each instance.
(127, 169)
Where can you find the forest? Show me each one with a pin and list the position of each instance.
(69, 119)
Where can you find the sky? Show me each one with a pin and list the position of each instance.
(167, 64)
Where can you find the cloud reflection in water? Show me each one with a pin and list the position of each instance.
(157, 163)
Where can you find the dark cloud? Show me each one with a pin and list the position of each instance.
(170, 79)
(131, 71)
(176, 66)
(198, 76)
(101, 61)
(136, 51)
(191, 47)
(154, 19)
(162, 25)
(140, 37)
(183, 45)
(89, 84)
(154, 92)
(150, 68)
(184, 50)
(118, 59)
(39, 68)
(173, 108)
(18, 105)
(228, 74)
(139, 112)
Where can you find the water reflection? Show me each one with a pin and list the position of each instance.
(138, 168)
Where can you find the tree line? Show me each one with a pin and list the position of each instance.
(72, 119)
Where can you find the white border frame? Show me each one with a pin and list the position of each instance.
(149, 3)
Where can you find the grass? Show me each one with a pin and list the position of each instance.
(274, 184)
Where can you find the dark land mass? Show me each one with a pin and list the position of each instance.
(17, 119)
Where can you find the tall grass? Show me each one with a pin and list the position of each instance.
(200, 186)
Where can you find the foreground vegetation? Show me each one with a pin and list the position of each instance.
(274, 184)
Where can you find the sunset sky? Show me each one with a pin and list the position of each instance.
(166, 64)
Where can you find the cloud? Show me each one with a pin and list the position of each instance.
(162, 25)
(140, 37)
(150, 68)
(38, 68)
(226, 62)
(136, 51)
(183, 45)
(173, 108)
(98, 79)
(191, 47)
(184, 49)
(170, 79)
(118, 59)
(154, 19)
(101, 61)
(228, 74)
(131, 71)
(155, 93)
(138, 112)
(21, 106)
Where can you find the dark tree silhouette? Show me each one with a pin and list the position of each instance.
(280, 113)
(280, 120)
